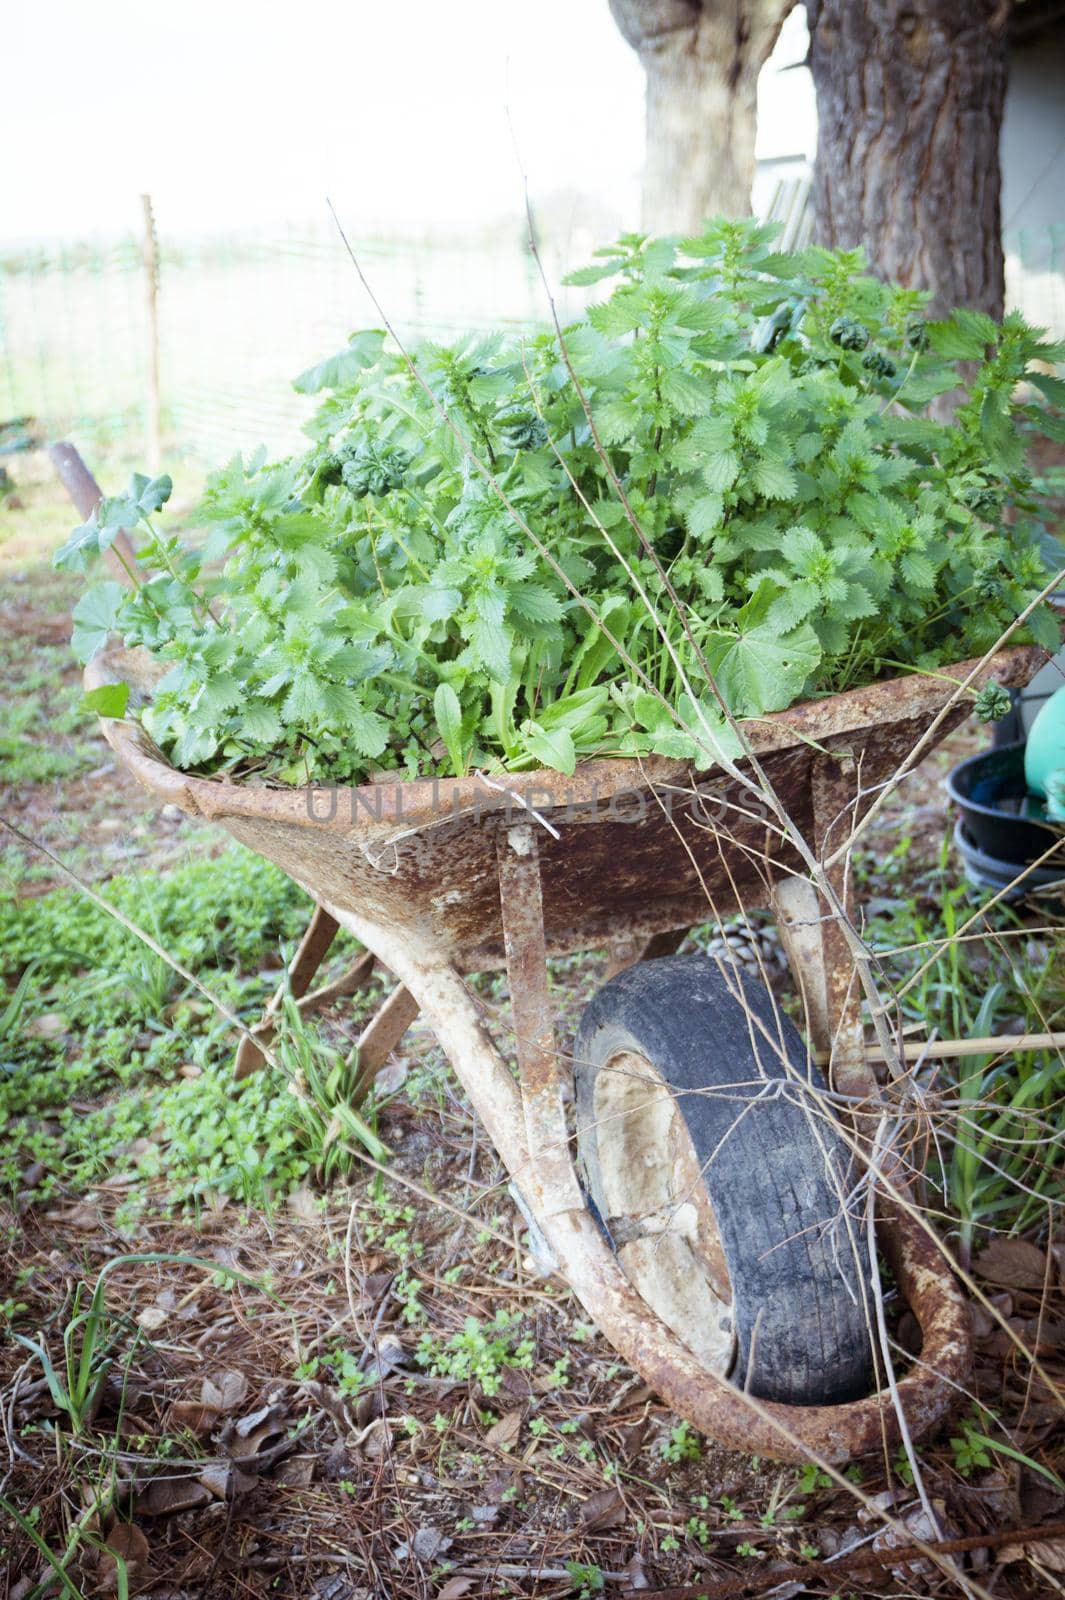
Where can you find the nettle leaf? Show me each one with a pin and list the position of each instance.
(220, 693)
(584, 276)
(94, 618)
(761, 670)
(774, 479)
(793, 605)
(260, 724)
(686, 392)
(616, 421)
(623, 313)
(340, 371)
(721, 471)
(534, 602)
(1053, 388)
(107, 700)
(703, 516)
(305, 701)
(917, 569)
(490, 643)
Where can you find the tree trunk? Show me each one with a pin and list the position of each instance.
(910, 96)
(702, 59)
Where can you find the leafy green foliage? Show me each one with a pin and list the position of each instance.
(486, 563)
(480, 1351)
(155, 1064)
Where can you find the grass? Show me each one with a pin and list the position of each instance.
(113, 1054)
(997, 1122)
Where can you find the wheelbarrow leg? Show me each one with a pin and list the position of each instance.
(312, 951)
(381, 1035)
(542, 1076)
(816, 946)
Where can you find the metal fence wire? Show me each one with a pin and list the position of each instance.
(241, 314)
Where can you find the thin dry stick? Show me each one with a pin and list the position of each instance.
(915, 1050)
(810, 1572)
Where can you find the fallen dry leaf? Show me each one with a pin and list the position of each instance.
(455, 1588)
(1048, 1552)
(502, 1435)
(83, 1215)
(165, 1497)
(390, 1079)
(226, 1481)
(332, 1402)
(245, 1439)
(225, 1390)
(193, 1416)
(152, 1318)
(918, 1525)
(303, 1203)
(427, 1544)
(604, 1509)
(297, 1473)
(127, 1548)
(635, 1575)
(1013, 1262)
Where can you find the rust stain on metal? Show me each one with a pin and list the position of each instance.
(540, 1071)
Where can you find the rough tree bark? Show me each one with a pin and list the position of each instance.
(702, 59)
(910, 95)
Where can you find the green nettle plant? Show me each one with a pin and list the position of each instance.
(510, 554)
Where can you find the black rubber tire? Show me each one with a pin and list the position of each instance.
(795, 1270)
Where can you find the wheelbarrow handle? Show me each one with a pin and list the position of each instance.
(86, 494)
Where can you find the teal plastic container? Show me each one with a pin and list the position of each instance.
(1044, 755)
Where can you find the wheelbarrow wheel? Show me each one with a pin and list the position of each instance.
(722, 1180)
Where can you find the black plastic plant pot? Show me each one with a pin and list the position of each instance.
(988, 872)
(990, 793)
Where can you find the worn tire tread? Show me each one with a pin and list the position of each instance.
(774, 1184)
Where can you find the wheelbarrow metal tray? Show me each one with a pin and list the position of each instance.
(642, 846)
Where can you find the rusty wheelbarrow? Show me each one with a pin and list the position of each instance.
(695, 1180)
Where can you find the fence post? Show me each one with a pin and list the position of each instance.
(150, 248)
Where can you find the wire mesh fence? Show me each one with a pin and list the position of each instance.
(239, 315)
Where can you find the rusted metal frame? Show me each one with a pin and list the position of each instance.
(381, 1035)
(797, 908)
(541, 1075)
(834, 781)
(709, 1403)
(311, 952)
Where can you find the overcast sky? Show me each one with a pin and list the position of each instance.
(238, 111)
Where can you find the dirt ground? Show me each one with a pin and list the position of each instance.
(371, 1391)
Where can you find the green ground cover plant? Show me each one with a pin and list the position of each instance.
(93, 1041)
(510, 553)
